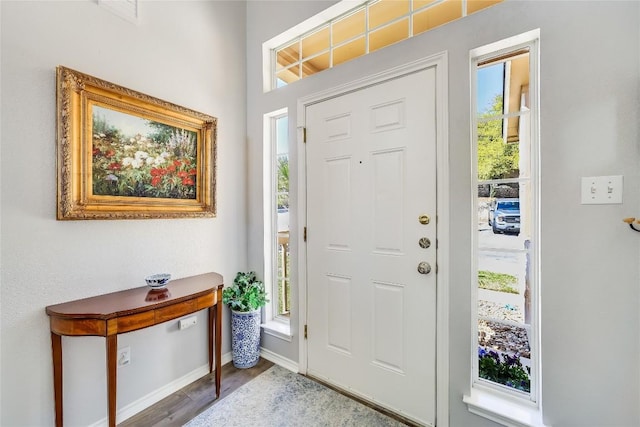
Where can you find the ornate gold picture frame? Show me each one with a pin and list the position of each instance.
(126, 155)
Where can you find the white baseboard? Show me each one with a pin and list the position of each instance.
(157, 395)
(226, 358)
(279, 360)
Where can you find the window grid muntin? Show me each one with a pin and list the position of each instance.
(365, 6)
(504, 181)
(502, 116)
(330, 25)
(503, 55)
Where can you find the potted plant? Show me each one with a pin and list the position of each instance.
(245, 299)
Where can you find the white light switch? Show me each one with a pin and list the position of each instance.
(602, 190)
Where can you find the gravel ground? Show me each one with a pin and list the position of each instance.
(500, 336)
(500, 311)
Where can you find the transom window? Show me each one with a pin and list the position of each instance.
(361, 30)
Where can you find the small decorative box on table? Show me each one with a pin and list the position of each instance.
(125, 311)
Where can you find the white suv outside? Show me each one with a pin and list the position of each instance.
(504, 216)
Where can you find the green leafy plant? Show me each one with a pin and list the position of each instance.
(497, 159)
(506, 370)
(246, 294)
(497, 281)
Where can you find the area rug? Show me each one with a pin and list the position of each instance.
(280, 398)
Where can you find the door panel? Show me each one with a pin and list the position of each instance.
(388, 194)
(371, 172)
(339, 292)
(388, 327)
(338, 191)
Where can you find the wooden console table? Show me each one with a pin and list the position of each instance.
(125, 311)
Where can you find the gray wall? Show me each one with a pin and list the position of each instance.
(188, 53)
(589, 126)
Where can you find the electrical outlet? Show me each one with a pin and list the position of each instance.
(188, 322)
(124, 356)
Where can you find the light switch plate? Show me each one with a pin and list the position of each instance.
(602, 190)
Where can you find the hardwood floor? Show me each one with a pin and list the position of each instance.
(186, 403)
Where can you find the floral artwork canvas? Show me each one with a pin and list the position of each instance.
(132, 156)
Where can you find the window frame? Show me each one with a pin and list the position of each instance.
(275, 324)
(493, 401)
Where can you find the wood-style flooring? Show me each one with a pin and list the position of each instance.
(183, 405)
(186, 403)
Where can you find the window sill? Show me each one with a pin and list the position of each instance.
(277, 329)
(503, 410)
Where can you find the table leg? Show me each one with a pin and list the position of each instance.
(112, 359)
(210, 321)
(56, 348)
(218, 323)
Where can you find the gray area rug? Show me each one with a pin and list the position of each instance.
(280, 398)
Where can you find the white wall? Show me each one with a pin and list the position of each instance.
(590, 104)
(282, 15)
(188, 53)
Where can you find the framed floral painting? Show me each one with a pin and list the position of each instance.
(126, 155)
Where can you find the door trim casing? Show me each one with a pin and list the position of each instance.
(438, 61)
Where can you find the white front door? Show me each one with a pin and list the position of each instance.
(371, 174)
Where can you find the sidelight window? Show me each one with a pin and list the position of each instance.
(276, 207)
(506, 236)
